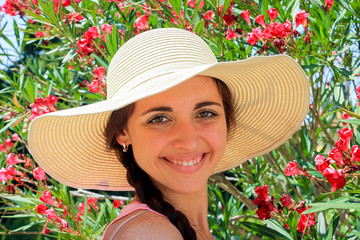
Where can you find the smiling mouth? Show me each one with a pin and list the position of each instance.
(187, 163)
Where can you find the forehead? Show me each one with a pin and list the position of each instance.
(196, 89)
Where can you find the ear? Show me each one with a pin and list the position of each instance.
(124, 137)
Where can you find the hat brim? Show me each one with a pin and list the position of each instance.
(271, 95)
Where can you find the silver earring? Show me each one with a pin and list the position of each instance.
(125, 148)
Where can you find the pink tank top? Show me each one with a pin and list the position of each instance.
(128, 209)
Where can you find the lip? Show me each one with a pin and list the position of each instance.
(185, 158)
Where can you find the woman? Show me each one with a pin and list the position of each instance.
(173, 116)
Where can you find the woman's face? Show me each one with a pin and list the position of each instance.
(179, 136)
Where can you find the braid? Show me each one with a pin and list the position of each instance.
(145, 190)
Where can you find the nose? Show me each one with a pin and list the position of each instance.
(186, 136)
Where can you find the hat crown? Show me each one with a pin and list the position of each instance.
(155, 53)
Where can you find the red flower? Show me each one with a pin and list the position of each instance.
(42, 106)
(51, 214)
(91, 34)
(265, 207)
(273, 13)
(337, 155)
(142, 22)
(39, 173)
(12, 160)
(328, 4)
(209, 15)
(252, 39)
(2, 148)
(76, 17)
(40, 34)
(345, 136)
(41, 208)
(292, 169)
(45, 230)
(301, 18)
(285, 200)
(305, 222)
(355, 153)
(260, 20)
(335, 178)
(345, 116)
(46, 197)
(230, 34)
(118, 203)
(358, 92)
(246, 16)
(85, 47)
(94, 86)
(321, 163)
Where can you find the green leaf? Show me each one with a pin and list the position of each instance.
(338, 19)
(318, 207)
(20, 199)
(339, 95)
(350, 113)
(199, 27)
(332, 227)
(263, 230)
(276, 226)
(346, 4)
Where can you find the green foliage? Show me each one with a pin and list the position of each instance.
(58, 63)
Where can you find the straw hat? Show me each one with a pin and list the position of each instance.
(271, 94)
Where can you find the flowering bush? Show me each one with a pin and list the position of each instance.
(305, 189)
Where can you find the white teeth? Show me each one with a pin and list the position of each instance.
(186, 164)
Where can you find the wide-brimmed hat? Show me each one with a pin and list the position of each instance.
(271, 99)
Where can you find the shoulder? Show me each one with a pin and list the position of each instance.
(147, 225)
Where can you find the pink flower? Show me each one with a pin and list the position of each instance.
(273, 13)
(94, 86)
(142, 22)
(106, 28)
(51, 214)
(15, 137)
(39, 173)
(246, 16)
(292, 169)
(260, 20)
(40, 34)
(12, 160)
(41, 208)
(321, 163)
(4, 175)
(301, 18)
(46, 197)
(335, 178)
(100, 72)
(193, 3)
(285, 200)
(230, 34)
(45, 230)
(12, 171)
(8, 143)
(306, 221)
(43, 106)
(64, 224)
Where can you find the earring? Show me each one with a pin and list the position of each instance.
(125, 148)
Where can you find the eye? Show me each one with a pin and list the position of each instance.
(160, 119)
(206, 114)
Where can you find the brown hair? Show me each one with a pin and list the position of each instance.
(145, 190)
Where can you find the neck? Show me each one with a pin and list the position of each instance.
(193, 205)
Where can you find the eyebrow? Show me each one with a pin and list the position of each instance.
(169, 109)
